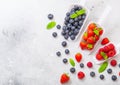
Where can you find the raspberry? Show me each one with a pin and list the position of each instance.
(111, 46)
(106, 49)
(89, 64)
(81, 75)
(113, 62)
(111, 53)
(99, 57)
(101, 50)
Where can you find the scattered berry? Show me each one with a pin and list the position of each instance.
(81, 65)
(81, 75)
(109, 71)
(58, 53)
(113, 62)
(78, 57)
(65, 60)
(54, 34)
(64, 43)
(58, 26)
(102, 77)
(50, 16)
(64, 78)
(92, 74)
(67, 51)
(119, 74)
(72, 70)
(105, 41)
(114, 77)
(89, 65)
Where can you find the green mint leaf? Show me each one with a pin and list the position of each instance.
(103, 67)
(51, 25)
(74, 15)
(72, 62)
(80, 12)
(104, 55)
(96, 32)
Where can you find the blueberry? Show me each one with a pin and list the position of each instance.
(58, 26)
(64, 28)
(67, 14)
(81, 65)
(119, 65)
(72, 10)
(71, 21)
(65, 60)
(54, 34)
(65, 22)
(72, 37)
(102, 77)
(66, 31)
(114, 77)
(58, 53)
(80, 22)
(73, 28)
(67, 18)
(75, 23)
(67, 51)
(69, 25)
(84, 16)
(78, 27)
(92, 74)
(76, 31)
(63, 33)
(76, 7)
(64, 43)
(76, 19)
(72, 70)
(80, 7)
(70, 33)
(80, 17)
(66, 37)
(109, 71)
(50, 16)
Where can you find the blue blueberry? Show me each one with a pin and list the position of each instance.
(67, 18)
(65, 22)
(67, 51)
(81, 65)
(71, 21)
(76, 31)
(76, 7)
(80, 17)
(80, 22)
(69, 25)
(64, 43)
(76, 24)
(64, 28)
(119, 65)
(72, 37)
(73, 28)
(54, 34)
(72, 10)
(50, 16)
(84, 16)
(63, 33)
(109, 71)
(80, 7)
(58, 26)
(68, 14)
(66, 37)
(76, 19)
(72, 70)
(92, 74)
(70, 33)
(65, 60)
(102, 77)
(78, 27)
(66, 31)
(114, 77)
(58, 53)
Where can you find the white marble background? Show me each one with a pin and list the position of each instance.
(27, 49)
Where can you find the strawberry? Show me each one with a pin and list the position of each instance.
(92, 26)
(85, 36)
(111, 53)
(83, 45)
(90, 46)
(111, 46)
(105, 41)
(96, 37)
(90, 33)
(81, 75)
(99, 57)
(89, 65)
(100, 31)
(64, 78)
(113, 62)
(91, 40)
(78, 57)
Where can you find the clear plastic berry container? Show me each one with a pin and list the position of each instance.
(76, 24)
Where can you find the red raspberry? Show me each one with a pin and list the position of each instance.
(111, 46)
(89, 64)
(119, 73)
(111, 53)
(99, 57)
(113, 62)
(101, 50)
(81, 75)
(106, 49)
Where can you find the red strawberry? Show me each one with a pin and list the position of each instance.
(64, 78)
(111, 46)
(91, 40)
(90, 46)
(96, 37)
(111, 53)
(100, 31)
(78, 57)
(83, 45)
(99, 57)
(106, 49)
(113, 62)
(92, 26)
(89, 64)
(90, 33)
(105, 41)
(81, 75)
(85, 36)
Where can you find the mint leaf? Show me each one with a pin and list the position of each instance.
(96, 32)
(80, 12)
(72, 62)
(74, 15)
(51, 25)
(103, 67)
(104, 55)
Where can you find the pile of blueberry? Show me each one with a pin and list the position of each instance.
(72, 26)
